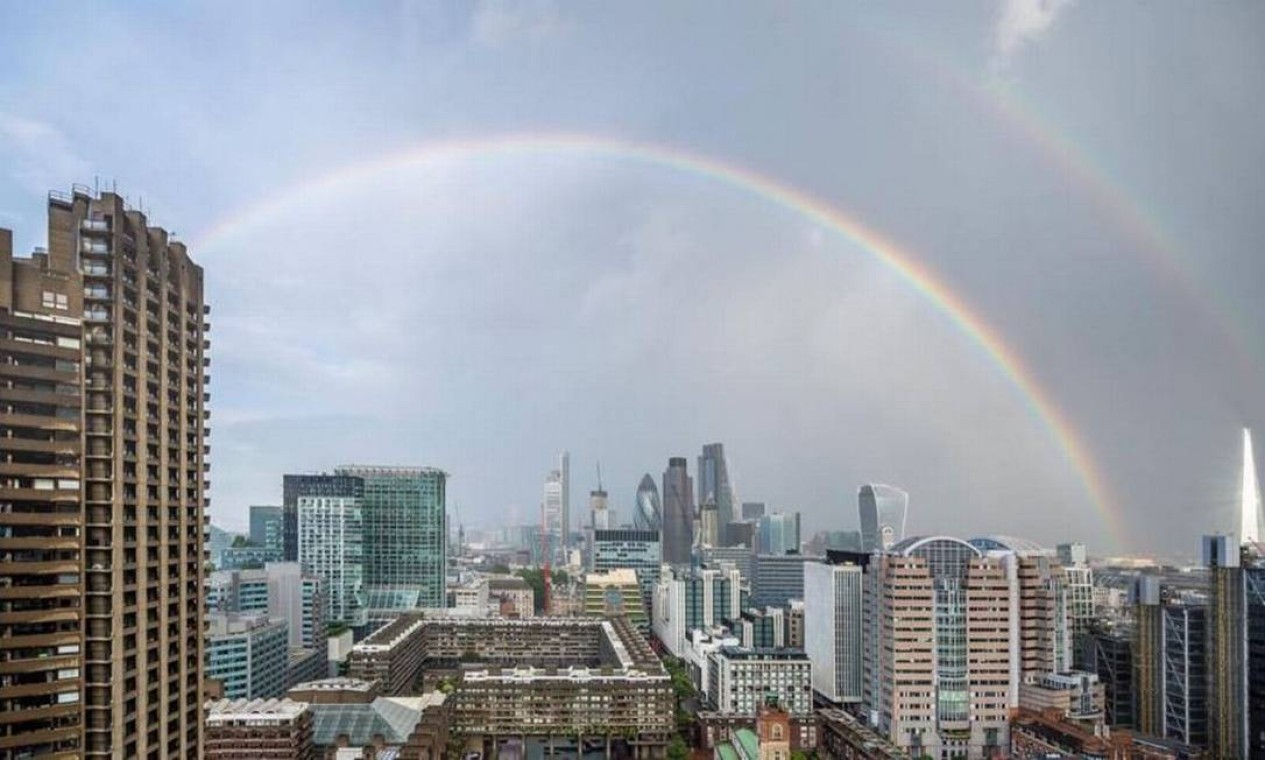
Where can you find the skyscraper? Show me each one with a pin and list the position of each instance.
(294, 486)
(708, 524)
(678, 512)
(1227, 649)
(1250, 496)
(833, 622)
(103, 354)
(552, 518)
(713, 482)
(332, 547)
(647, 511)
(599, 511)
(883, 511)
(564, 469)
(938, 662)
(405, 531)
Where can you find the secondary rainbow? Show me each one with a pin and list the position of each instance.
(750, 182)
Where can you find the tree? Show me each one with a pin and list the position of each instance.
(677, 749)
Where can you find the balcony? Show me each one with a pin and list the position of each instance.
(94, 225)
(95, 248)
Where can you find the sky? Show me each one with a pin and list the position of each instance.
(467, 235)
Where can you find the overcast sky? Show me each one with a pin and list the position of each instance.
(1086, 176)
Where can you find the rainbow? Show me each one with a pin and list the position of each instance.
(1003, 103)
(749, 182)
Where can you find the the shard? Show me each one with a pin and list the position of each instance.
(1250, 508)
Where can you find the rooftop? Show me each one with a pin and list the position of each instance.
(253, 711)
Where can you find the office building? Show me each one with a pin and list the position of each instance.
(637, 550)
(247, 557)
(834, 616)
(332, 548)
(1185, 669)
(103, 357)
(259, 729)
(678, 513)
(714, 484)
(938, 669)
(778, 578)
(282, 590)
(761, 628)
(740, 533)
(883, 511)
(752, 510)
(248, 654)
(740, 557)
(1107, 651)
(741, 680)
(1228, 730)
(405, 522)
(698, 599)
(778, 533)
(267, 528)
(295, 486)
(1249, 497)
(795, 624)
(647, 511)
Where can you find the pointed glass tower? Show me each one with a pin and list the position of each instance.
(1250, 528)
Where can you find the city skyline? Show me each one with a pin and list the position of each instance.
(955, 256)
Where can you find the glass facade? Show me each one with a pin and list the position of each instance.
(648, 513)
(405, 523)
(883, 511)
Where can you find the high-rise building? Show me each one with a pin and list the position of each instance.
(282, 590)
(564, 471)
(752, 510)
(267, 528)
(103, 355)
(406, 528)
(647, 511)
(1107, 651)
(938, 667)
(1250, 496)
(551, 516)
(714, 484)
(778, 533)
(295, 486)
(1227, 648)
(833, 623)
(883, 511)
(332, 547)
(41, 519)
(678, 512)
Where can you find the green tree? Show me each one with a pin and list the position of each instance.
(677, 749)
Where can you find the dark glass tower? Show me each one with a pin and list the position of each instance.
(678, 512)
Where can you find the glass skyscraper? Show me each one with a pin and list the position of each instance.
(678, 512)
(647, 512)
(883, 512)
(405, 530)
(713, 482)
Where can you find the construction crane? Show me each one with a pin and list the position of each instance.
(546, 571)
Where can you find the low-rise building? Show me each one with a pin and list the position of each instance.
(742, 680)
(513, 596)
(258, 729)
